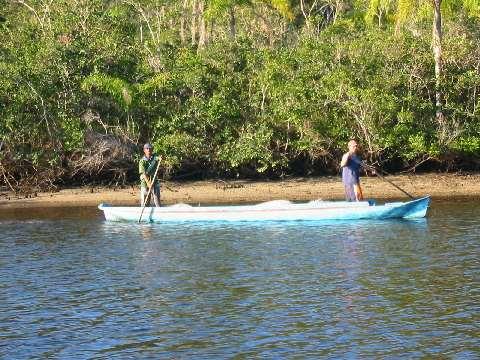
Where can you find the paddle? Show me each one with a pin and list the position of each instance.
(378, 172)
(149, 190)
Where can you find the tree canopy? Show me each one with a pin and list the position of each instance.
(233, 87)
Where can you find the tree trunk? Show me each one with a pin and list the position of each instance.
(211, 35)
(339, 8)
(437, 53)
(202, 28)
(193, 28)
(182, 21)
(233, 21)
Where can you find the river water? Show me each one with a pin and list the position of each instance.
(74, 286)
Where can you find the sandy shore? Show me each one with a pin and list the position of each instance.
(210, 192)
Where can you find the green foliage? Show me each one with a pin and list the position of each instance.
(119, 90)
(72, 134)
(283, 6)
(468, 145)
(178, 148)
(276, 99)
(250, 148)
(219, 7)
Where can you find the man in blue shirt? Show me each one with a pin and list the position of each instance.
(350, 165)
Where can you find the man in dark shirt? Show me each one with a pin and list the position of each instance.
(350, 165)
(146, 168)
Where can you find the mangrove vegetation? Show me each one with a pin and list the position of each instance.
(235, 88)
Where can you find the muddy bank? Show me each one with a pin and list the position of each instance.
(295, 189)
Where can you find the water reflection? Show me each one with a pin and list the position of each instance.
(80, 287)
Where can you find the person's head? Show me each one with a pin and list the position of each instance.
(147, 149)
(352, 146)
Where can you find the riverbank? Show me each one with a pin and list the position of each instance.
(244, 191)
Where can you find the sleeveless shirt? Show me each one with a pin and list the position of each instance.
(351, 171)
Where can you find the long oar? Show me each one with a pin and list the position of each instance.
(149, 191)
(377, 171)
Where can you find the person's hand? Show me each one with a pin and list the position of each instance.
(147, 181)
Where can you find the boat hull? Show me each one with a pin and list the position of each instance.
(271, 211)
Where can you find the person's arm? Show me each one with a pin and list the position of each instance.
(143, 174)
(345, 158)
(147, 180)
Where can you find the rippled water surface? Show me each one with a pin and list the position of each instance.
(75, 286)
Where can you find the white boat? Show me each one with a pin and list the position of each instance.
(277, 210)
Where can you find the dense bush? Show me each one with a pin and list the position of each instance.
(242, 89)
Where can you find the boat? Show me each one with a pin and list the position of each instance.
(276, 210)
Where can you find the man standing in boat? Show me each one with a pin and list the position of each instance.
(350, 165)
(146, 168)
